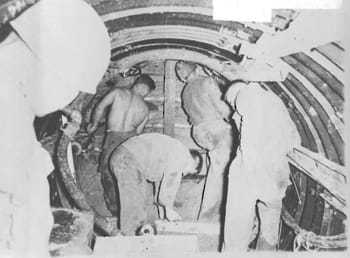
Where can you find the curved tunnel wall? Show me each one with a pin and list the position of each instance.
(313, 92)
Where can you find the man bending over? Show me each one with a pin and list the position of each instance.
(150, 157)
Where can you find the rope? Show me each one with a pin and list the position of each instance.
(309, 240)
(303, 239)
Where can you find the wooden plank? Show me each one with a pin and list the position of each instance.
(169, 97)
(181, 117)
(156, 115)
(333, 201)
(309, 205)
(326, 220)
(318, 211)
(149, 244)
(302, 191)
(153, 130)
(333, 54)
(332, 181)
(188, 227)
(338, 223)
(325, 162)
(152, 67)
(152, 98)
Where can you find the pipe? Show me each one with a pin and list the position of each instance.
(109, 224)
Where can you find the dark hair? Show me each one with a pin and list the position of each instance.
(196, 154)
(192, 65)
(147, 80)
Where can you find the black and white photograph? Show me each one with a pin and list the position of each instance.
(149, 128)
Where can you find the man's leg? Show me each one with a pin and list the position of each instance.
(32, 218)
(152, 210)
(240, 211)
(270, 214)
(270, 206)
(107, 180)
(220, 157)
(132, 190)
(213, 192)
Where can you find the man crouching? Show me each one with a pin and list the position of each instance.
(145, 159)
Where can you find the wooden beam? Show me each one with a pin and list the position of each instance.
(334, 202)
(339, 169)
(169, 97)
(145, 246)
(324, 174)
(184, 227)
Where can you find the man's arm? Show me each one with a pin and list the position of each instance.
(140, 128)
(99, 110)
(167, 193)
(216, 97)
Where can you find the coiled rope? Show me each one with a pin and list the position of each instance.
(311, 241)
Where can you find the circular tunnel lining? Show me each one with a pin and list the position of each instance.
(308, 212)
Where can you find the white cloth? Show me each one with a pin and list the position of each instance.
(267, 135)
(24, 163)
(72, 50)
(260, 169)
(62, 48)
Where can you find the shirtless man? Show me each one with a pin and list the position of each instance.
(208, 115)
(150, 157)
(127, 117)
(259, 175)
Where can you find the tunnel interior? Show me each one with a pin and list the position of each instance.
(303, 199)
(150, 37)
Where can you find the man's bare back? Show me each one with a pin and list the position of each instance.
(128, 111)
(202, 100)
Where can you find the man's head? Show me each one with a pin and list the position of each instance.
(197, 163)
(233, 91)
(184, 70)
(143, 85)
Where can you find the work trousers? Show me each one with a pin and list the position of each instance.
(135, 192)
(245, 190)
(111, 142)
(216, 138)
